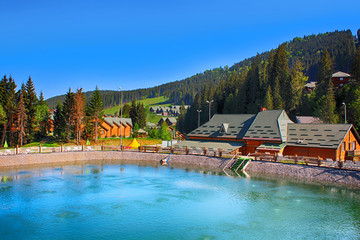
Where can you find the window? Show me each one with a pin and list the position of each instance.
(343, 146)
(341, 79)
(352, 146)
(341, 85)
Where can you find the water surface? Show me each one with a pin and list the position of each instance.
(121, 201)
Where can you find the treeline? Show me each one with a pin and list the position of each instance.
(23, 116)
(308, 50)
(273, 84)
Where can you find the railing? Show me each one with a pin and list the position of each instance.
(300, 160)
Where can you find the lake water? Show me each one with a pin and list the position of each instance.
(122, 201)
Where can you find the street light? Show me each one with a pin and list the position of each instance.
(199, 111)
(121, 119)
(209, 102)
(345, 111)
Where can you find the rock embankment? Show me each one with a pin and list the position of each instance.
(317, 174)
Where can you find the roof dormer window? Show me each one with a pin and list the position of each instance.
(224, 128)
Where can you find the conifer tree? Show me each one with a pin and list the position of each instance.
(355, 68)
(324, 75)
(30, 100)
(326, 104)
(78, 109)
(8, 102)
(96, 111)
(68, 113)
(42, 117)
(20, 116)
(59, 121)
(268, 101)
(296, 86)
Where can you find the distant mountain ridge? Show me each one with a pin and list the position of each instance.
(340, 44)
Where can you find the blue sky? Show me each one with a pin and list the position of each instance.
(139, 44)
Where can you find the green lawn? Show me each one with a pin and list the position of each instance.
(148, 102)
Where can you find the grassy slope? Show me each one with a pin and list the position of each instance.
(148, 102)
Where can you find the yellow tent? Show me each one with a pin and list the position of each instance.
(134, 144)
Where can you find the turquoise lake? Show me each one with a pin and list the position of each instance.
(123, 201)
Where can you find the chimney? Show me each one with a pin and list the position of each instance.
(262, 109)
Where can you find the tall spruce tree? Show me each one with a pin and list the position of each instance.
(42, 117)
(96, 111)
(8, 102)
(59, 122)
(326, 104)
(20, 116)
(78, 109)
(268, 101)
(68, 112)
(295, 86)
(355, 68)
(30, 100)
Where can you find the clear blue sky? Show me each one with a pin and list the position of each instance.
(138, 44)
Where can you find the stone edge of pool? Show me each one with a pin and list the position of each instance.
(318, 174)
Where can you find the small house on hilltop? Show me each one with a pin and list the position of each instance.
(340, 78)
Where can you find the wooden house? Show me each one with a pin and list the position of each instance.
(340, 79)
(115, 127)
(273, 132)
(333, 141)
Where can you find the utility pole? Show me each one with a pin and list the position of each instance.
(199, 111)
(345, 111)
(121, 133)
(209, 102)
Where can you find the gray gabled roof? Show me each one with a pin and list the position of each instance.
(117, 120)
(224, 145)
(269, 125)
(317, 135)
(238, 124)
(341, 74)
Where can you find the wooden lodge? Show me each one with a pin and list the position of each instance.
(340, 79)
(115, 127)
(272, 132)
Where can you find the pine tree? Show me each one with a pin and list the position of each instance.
(325, 104)
(296, 86)
(355, 68)
(324, 75)
(68, 113)
(78, 108)
(59, 121)
(8, 102)
(268, 101)
(42, 117)
(20, 115)
(279, 78)
(96, 111)
(30, 100)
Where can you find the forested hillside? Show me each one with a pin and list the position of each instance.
(277, 81)
(307, 49)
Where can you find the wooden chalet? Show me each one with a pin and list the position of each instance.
(170, 121)
(340, 79)
(116, 126)
(271, 132)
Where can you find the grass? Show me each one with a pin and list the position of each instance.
(100, 141)
(148, 102)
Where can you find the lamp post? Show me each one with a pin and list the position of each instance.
(345, 111)
(199, 111)
(120, 119)
(209, 102)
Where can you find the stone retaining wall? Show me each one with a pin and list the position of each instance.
(318, 174)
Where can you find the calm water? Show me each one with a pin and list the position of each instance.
(118, 201)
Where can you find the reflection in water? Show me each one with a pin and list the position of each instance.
(146, 200)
